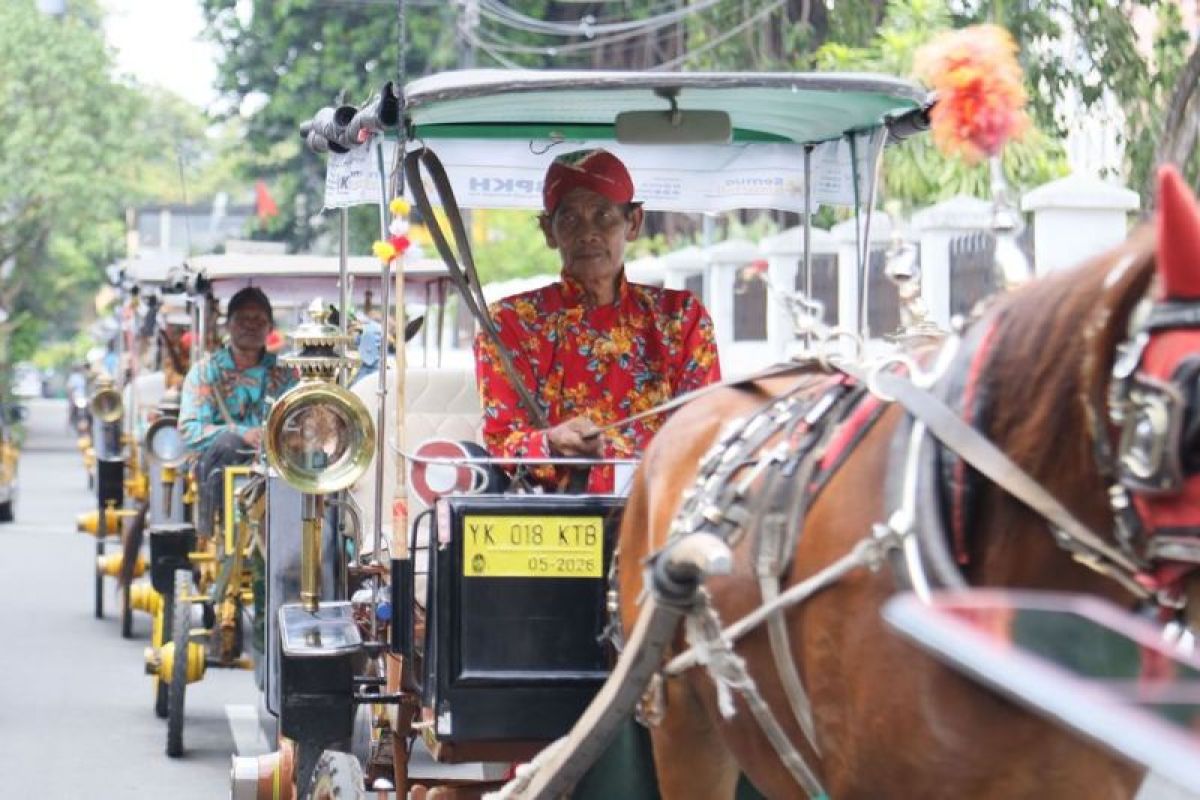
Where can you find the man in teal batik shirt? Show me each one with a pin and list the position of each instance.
(224, 397)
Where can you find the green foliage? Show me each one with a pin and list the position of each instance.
(62, 355)
(65, 150)
(292, 57)
(513, 248)
(1105, 62)
(170, 136)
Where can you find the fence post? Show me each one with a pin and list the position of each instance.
(784, 252)
(1076, 217)
(724, 260)
(681, 265)
(936, 227)
(848, 288)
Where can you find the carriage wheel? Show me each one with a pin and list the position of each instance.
(99, 600)
(336, 774)
(160, 698)
(159, 633)
(126, 615)
(181, 614)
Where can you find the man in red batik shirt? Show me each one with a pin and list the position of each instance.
(592, 348)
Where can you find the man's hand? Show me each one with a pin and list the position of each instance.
(577, 437)
(253, 437)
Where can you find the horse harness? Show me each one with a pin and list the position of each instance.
(767, 469)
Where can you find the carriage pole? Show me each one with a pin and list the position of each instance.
(808, 279)
(863, 233)
(381, 450)
(344, 277)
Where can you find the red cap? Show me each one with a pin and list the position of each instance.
(597, 170)
(1178, 258)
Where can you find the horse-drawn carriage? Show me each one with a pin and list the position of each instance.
(485, 633)
(210, 574)
(114, 422)
(775, 515)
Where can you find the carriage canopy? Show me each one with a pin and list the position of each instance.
(743, 134)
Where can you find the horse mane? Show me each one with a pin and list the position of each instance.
(1054, 345)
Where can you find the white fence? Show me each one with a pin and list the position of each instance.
(1071, 218)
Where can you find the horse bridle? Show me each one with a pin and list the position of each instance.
(1148, 415)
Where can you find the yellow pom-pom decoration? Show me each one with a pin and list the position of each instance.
(384, 251)
(399, 207)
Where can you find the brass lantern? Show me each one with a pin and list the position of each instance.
(105, 403)
(319, 436)
(162, 439)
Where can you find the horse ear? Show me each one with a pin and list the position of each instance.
(1178, 256)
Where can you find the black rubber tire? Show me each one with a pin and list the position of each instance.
(180, 624)
(6, 511)
(99, 600)
(126, 615)
(160, 698)
(160, 686)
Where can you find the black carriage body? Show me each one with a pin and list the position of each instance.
(110, 482)
(515, 658)
(169, 548)
(319, 656)
(284, 523)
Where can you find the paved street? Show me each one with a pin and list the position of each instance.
(76, 711)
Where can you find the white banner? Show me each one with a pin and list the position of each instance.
(690, 178)
(352, 179)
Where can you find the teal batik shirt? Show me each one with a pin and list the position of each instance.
(243, 390)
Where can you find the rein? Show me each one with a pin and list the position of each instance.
(985, 457)
(716, 505)
(465, 278)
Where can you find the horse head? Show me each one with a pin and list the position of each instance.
(1154, 406)
(1092, 384)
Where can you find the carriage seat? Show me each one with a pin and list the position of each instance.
(439, 403)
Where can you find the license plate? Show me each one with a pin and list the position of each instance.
(533, 547)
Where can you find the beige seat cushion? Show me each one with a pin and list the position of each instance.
(440, 403)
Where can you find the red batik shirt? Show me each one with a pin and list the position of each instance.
(606, 363)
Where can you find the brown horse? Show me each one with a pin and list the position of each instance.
(890, 721)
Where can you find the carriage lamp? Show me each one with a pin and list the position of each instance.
(319, 437)
(105, 403)
(164, 443)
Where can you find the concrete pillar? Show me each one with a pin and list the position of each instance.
(680, 265)
(724, 261)
(647, 269)
(935, 228)
(784, 252)
(1077, 217)
(848, 289)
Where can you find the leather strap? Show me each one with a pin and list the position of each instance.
(464, 277)
(987, 459)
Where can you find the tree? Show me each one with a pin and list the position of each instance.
(1091, 50)
(284, 60)
(64, 145)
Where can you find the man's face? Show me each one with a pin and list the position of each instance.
(590, 232)
(248, 328)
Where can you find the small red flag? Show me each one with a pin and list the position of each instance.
(266, 203)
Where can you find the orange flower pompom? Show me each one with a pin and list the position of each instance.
(980, 90)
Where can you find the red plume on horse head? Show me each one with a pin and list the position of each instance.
(1178, 237)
